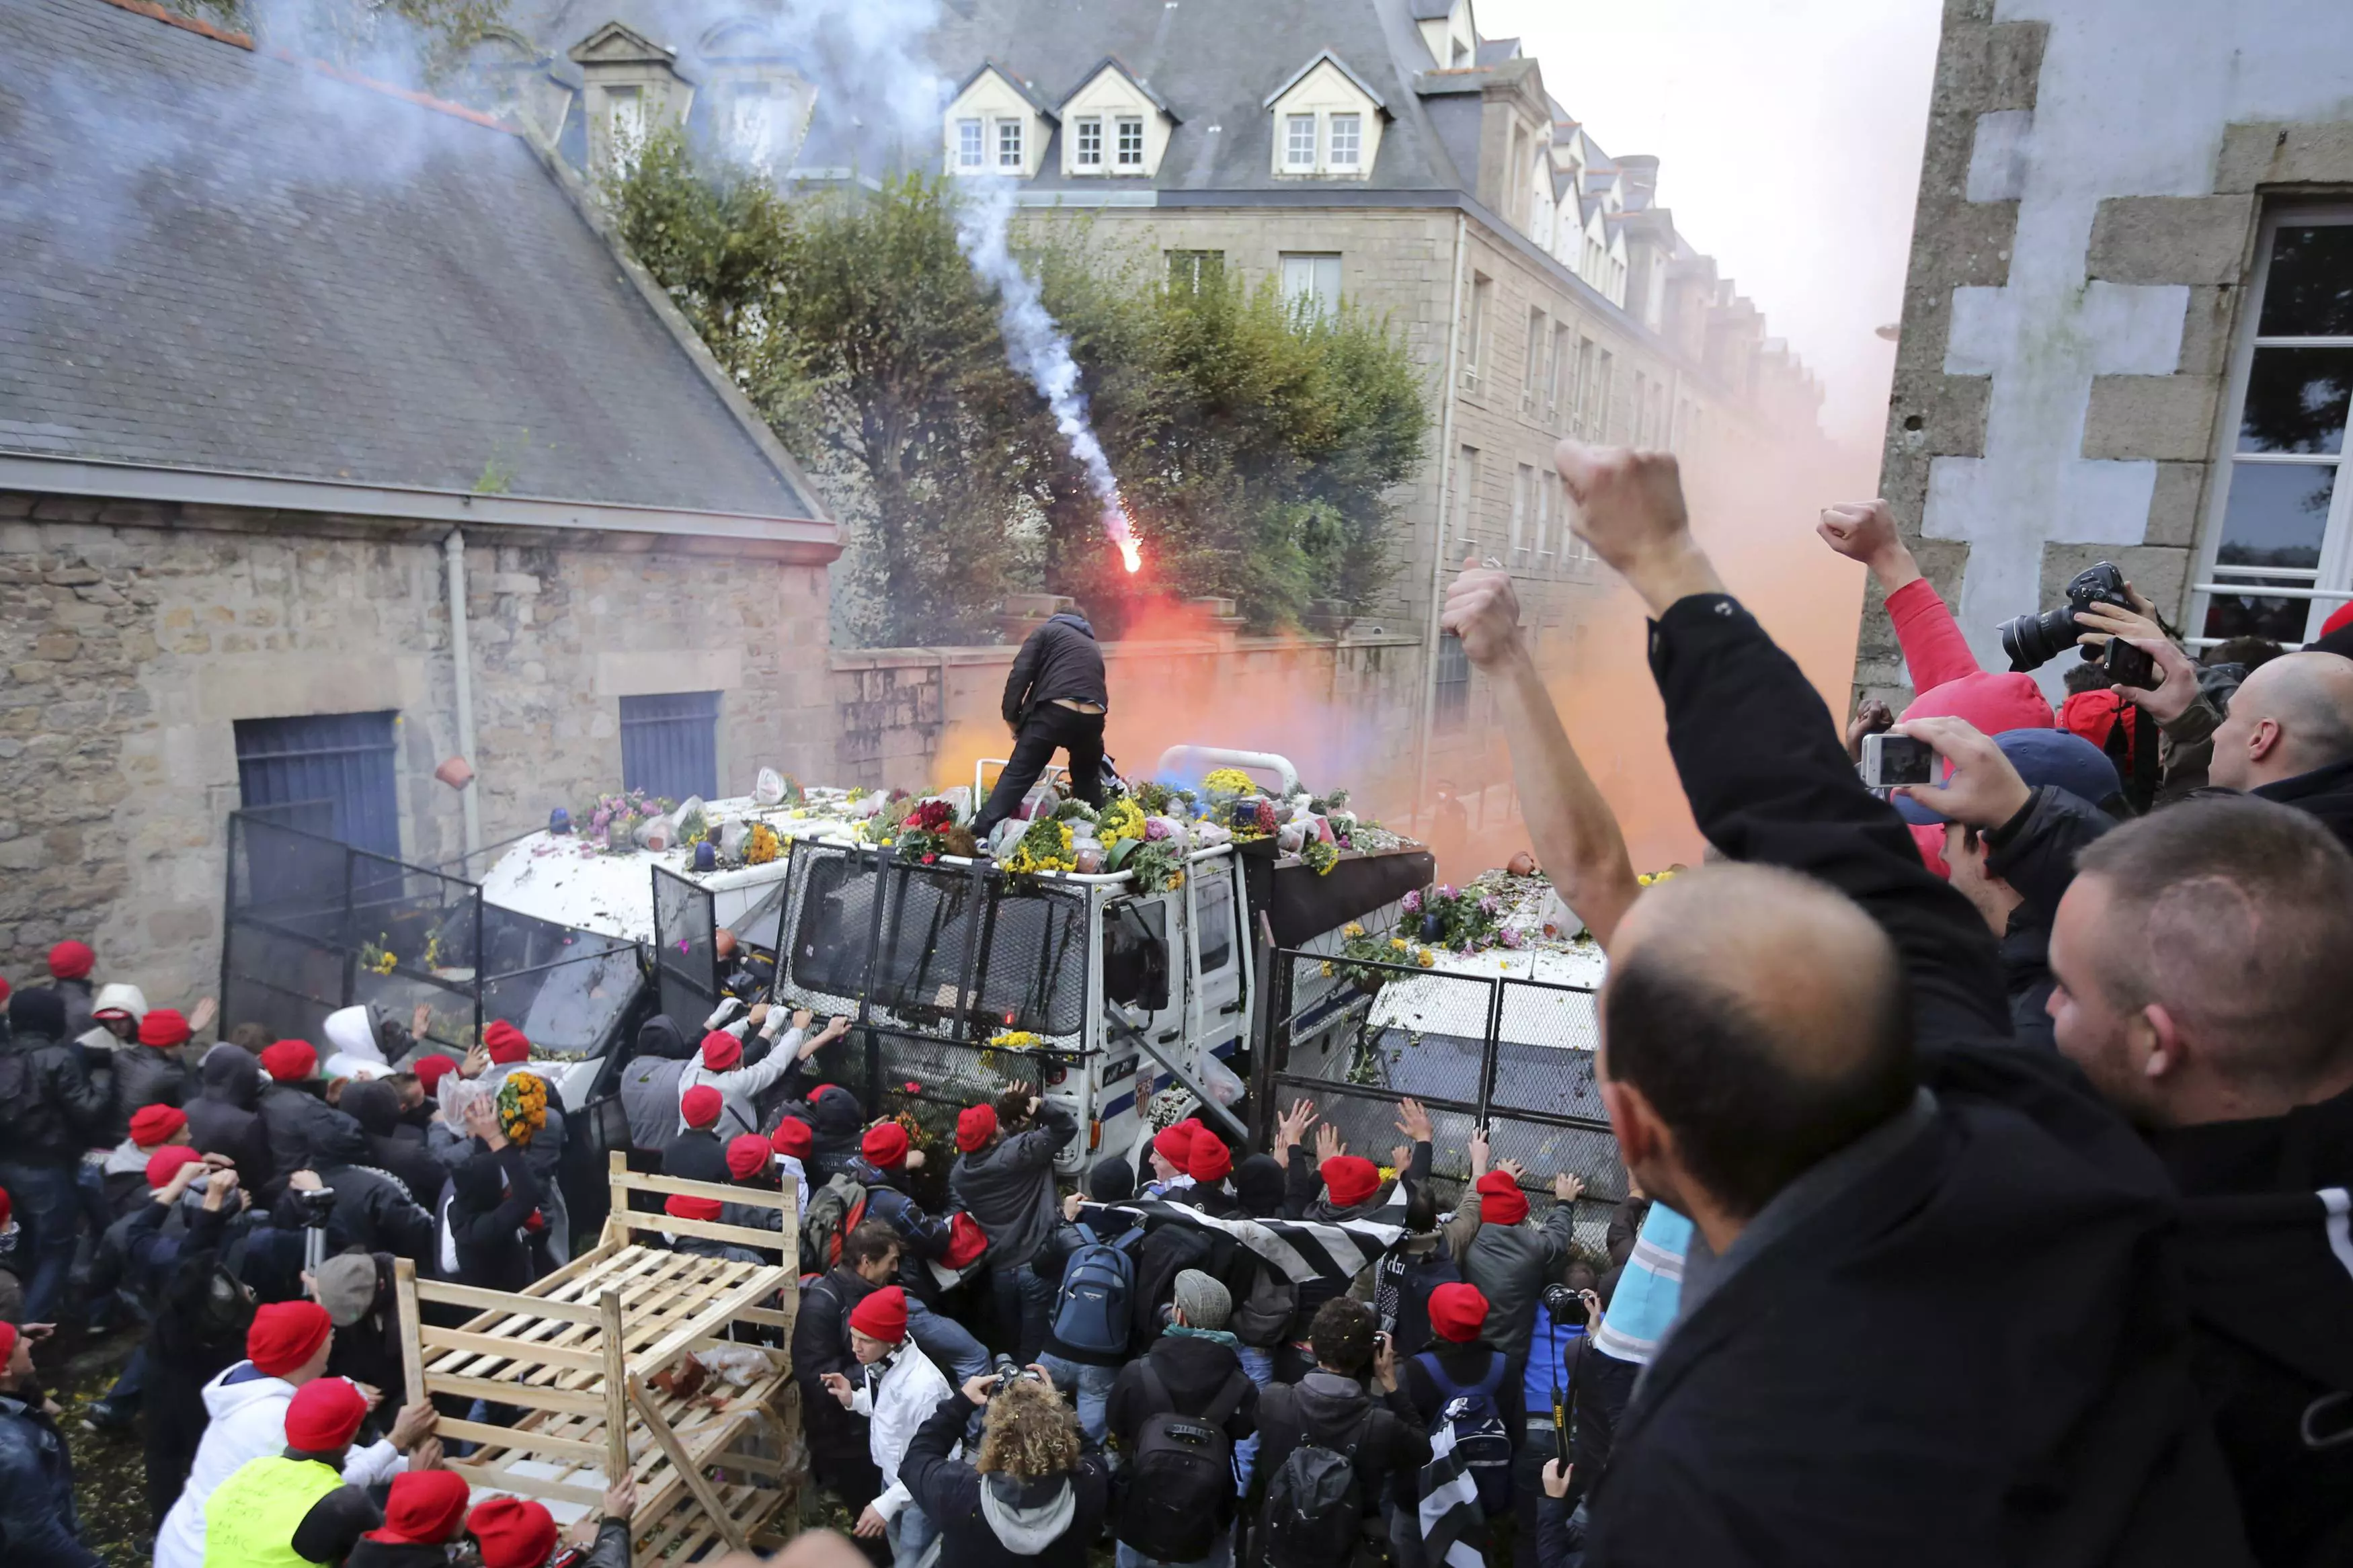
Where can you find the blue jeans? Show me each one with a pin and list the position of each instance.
(1092, 1391)
(1260, 1366)
(948, 1343)
(1221, 1556)
(123, 1397)
(1023, 1302)
(909, 1532)
(46, 1201)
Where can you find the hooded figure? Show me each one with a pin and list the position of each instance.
(108, 1022)
(293, 1114)
(649, 1082)
(834, 1116)
(374, 1211)
(492, 1197)
(392, 1145)
(1033, 1493)
(223, 1118)
(353, 1049)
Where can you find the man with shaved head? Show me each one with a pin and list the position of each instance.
(1943, 1322)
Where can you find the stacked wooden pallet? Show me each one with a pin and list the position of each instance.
(586, 1364)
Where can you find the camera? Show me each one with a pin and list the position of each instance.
(1008, 1374)
(314, 1207)
(2128, 665)
(1891, 760)
(2033, 641)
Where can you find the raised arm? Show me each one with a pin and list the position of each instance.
(1935, 651)
(1758, 755)
(1574, 832)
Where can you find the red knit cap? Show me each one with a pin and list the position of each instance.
(430, 1069)
(513, 1533)
(793, 1136)
(165, 1163)
(701, 1105)
(882, 1315)
(3, 988)
(678, 1205)
(291, 1061)
(423, 1508)
(1457, 1313)
(748, 1155)
(885, 1144)
(1991, 701)
(5, 1206)
(152, 1126)
(2339, 619)
(325, 1415)
(975, 1125)
(7, 1344)
(1349, 1179)
(1500, 1202)
(71, 961)
(1174, 1145)
(1212, 1162)
(505, 1043)
(721, 1050)
(163, 1029)
(284, 1334)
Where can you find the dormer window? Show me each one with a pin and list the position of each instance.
(1088, 150)
(1009, 146)
(624, 123)
(1113, 124)
(1348, 141)
(970, 153)
(996, 126)
(751, 121)
(1130, 141)
(1299, 141)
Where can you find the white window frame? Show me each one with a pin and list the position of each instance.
(1483, 306)
(1291, 162)
(1466, 501)
(971, 143)
(743, 95)
(2336, 566)
(1547, 478)
(1018, 145)
(1524, 479)
(1087, 141)
(1312, 275)
(1532, 372)
(1122, 127)
(1353, 124)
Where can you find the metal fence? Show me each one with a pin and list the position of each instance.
(1509, 1054)
(313, 925)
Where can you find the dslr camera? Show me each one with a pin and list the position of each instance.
(2033, 641)
(1008, 1374)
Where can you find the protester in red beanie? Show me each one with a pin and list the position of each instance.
(291, 1061)
(1462, 1361)
(1171, 1155)
(285, 1336)
(293, 1506)
(882, 1315)
(1349, 1180)
(701, 1106)
(1457, 1313)
(1209, 1164)
(431, 1069)
(749, 1155)
(721, 1051)
(976, 1126)
(325, 1415)
(1005, 1180)
(167, 1162)
(513, 1533)
(71, 961)
(152, 1126)
(792, 1138)
(682, 1205)
(884, 1145)
(504, 1044)
(423, 1508)
(1501, 1201)
(697, 1153)
(164, 1027)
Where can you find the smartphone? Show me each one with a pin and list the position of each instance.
(1891, 760)
(2128, 665)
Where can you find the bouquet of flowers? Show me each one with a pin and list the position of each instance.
(1004, 1049)
(1047, 846)
(616, 818)
(1463, 919)
(1319, 854)
(1230, 782)
(922, 833)
(762, 845)
(522, 1107)
(1121, 819)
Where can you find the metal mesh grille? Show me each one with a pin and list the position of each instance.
(685, 967)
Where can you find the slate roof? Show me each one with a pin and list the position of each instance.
(215, 259)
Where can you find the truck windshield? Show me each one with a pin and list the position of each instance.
(1033, 944)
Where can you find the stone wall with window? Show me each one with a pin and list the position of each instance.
(137, 636)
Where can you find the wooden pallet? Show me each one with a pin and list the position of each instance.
(576, 1355)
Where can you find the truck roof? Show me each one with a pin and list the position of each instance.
(1551, 950)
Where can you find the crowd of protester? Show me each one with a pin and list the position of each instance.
(1987, 1142)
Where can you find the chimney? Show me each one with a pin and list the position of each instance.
(1641, 172)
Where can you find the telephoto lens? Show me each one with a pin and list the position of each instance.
(2033, 641)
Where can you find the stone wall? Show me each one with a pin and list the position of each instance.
(134, 635)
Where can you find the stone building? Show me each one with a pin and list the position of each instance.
(2129, 328)
(1378, 155)
(292, 369)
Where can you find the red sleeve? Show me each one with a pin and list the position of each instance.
(1934, 649)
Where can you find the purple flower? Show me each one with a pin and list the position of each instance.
(1512, 939)
(1155, 828)
(1446, 889)
(1411, 902)
(1488, 906)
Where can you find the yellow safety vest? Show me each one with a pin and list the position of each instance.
(250, 1518)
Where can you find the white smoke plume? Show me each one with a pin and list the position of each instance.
(1037, 346)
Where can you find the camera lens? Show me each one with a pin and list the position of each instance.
(2033, 641)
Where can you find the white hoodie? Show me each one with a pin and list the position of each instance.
(115, 997)
(738, 1086)
(910, 1389)
(248, 1422)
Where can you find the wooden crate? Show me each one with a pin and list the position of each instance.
(578, 1353)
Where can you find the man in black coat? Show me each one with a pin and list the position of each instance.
(49, 1112)
(1193, 1369)
(1810, 1054)
(1331, 1408)
(372, 1211)
(224, 1118)
(293, 1110)
(1055, 699)
(197, 1332)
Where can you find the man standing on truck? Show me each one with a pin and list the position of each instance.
(1055, 698)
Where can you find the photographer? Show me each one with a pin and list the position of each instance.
(1033, 1493)
(1767, 1030)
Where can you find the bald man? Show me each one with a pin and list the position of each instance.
(1943, 1323)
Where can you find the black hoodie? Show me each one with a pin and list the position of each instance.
(392, 1144)
(834, 1116)
(52, 1110)
(222, 1119)
(373, 1210)
(649, 1082)
(1060, 659)
(492, 1192)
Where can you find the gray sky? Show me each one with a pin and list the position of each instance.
(1790, 134)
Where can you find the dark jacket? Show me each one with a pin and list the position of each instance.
(1625, 1228)
(54, 1111)
(834, 1133)
(1010, 1533)
(335, 1524)
(373, 1211)
(2325, 793)
(1326, 1409)
(1060, 659)
(393, 1146)
(492, 1192)
(821, 1344)
(1009, 1190)
(223, 1118)
(2067, 1430)
(294, 1118)
(144, 1075)
(1118, 1230)
(1466, 1364)
(2271, 1301)
(649, 1082)
(369, 1350)
(1194, 1368)
(696, 1155)
(923, 1236)
(1511, 1264)
(197, 1332)
(2026, 973)
(39, 1527)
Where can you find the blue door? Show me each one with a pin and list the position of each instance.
(338, 765)
(669, 744)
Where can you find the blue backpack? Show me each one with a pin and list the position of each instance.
(1480, 1436)
(1093, 1310)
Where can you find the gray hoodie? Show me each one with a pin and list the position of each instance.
(1511, 1264)
(1009, 1190)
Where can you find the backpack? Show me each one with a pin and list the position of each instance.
(1260, 1317)
(1402, 1282)
(1480, 1439)
(1180, 1479)
(1315, 1505)
(1093, 1310)
(833, 1212)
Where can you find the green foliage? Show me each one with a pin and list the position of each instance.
(419, 40)
(1255, 446)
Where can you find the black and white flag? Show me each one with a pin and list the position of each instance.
(1301, 1249)
(1453, 1525)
